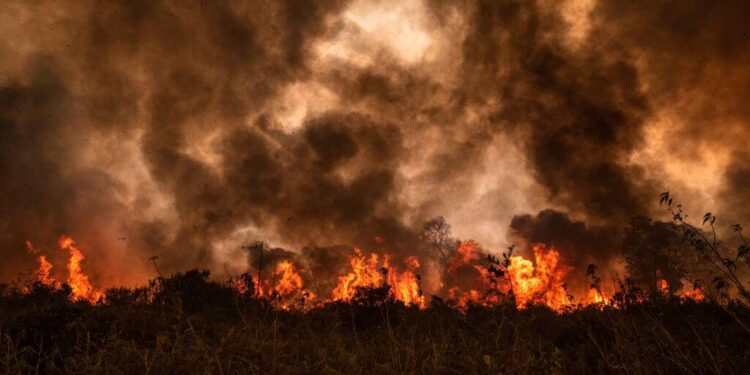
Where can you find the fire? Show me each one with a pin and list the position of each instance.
(44, 270)
(695, 295)
(364, 273)
(663, 287)
(661, 284)
(540, 282)
(290, 281)
(472, 281)
(537, 282)
(78, 280)
(463, 299)
(45, 267)
(285, 285)
(466, 253)
(471, 276)
(595, 297)
(371, 272)
(406, 286)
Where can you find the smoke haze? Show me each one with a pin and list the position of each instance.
(189, 129)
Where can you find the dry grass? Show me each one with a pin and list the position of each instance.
(204, 328)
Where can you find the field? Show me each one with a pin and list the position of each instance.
(187, 324)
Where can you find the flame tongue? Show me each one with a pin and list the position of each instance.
(405, 286)
(78, 280)
(364, 274)
(43, 273)
(45, 267)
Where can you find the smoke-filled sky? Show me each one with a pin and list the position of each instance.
(185, 129)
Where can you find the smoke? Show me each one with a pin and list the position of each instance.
(581, 244)
(736, 190)
(325, 261)
(187, 130)
(690, 57)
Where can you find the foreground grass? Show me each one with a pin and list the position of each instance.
(218, 333)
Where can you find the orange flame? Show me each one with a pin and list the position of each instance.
(290, 281)
(663, 287)
(483, 290)
(595, 297)
(284, 286)
(405, 286)
(43, 272)
(661, 284)
(366, 272)
(466, 253)
(540, 282)
(45, 267)
(695, 295)
(78, 280)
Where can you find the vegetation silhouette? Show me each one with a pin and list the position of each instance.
(191, 323)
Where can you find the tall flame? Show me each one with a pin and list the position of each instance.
(78, 280)
(406, 285)
(45, 267)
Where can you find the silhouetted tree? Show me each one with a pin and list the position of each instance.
(654, 251)
(436, 233)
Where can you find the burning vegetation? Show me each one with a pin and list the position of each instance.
(470, 276)
(143, 144)
(488, 312)
(491, 313)
(77, 280)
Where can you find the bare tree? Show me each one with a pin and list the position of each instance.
(436, 232)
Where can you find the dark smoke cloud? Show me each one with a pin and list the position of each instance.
(169, 72)
(326, 260)
(736, 192)
(271, 257)
(580, 113)
(580, 243)
(159, 122)
(44, 194)
(693, 57)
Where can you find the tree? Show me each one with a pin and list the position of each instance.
(654, 252)
(711, 250)
(436, 232)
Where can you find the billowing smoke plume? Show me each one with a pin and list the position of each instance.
(188, 130)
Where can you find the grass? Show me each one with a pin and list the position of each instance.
(203, 327)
